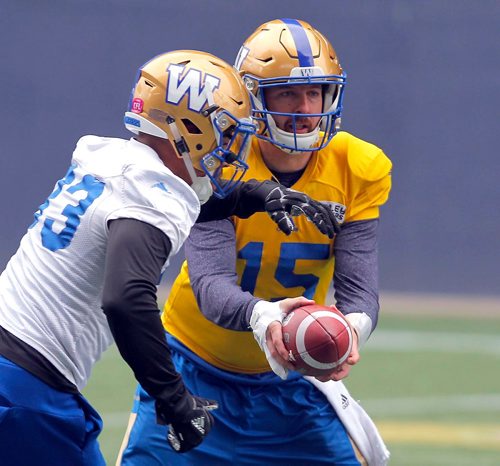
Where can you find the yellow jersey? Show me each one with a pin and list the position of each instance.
(350, 174)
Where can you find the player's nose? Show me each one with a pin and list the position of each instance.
(303, 104)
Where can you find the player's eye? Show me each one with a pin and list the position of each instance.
(227, 136)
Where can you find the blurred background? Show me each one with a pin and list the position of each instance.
(423, 84)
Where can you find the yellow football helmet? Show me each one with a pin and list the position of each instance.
(199, 103)
(289, 52)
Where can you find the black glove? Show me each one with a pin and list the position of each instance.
(282, 204)
(279, 202)
(189, 423)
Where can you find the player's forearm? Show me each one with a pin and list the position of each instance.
(140, 339)
(356, 272)
(211, 255)
(135, 255)
(225, 304)
(246, 199)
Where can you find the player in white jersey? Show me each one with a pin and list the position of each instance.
(86, 271)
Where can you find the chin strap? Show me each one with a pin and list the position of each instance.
(303, 142)
(200, 184)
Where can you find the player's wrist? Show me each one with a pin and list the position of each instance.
(362, 325)
(186, 433)
(174, 408)
(263, 313)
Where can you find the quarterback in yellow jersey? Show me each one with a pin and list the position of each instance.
(351, 175)
(223, 317)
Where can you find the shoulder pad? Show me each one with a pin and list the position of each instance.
(365, 160)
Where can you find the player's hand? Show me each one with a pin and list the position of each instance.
(343, 371)
(283, 204)
(266, 322)
(190, 423)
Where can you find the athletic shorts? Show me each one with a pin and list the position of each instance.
(261, 420)
(43, 426)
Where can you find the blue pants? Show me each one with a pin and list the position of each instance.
(43, 426)
(261, 420)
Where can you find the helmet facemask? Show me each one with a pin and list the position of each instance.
(293, 142)
(233, 143)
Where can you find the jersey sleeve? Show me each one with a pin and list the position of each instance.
(158, 200)
(247, 198)
(211, 255)
(356, 269)
(369, 179)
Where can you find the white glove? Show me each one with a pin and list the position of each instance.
(265, 312)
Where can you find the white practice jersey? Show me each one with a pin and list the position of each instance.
(51, 290)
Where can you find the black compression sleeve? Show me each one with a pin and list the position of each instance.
(135, 254)
(247, 198)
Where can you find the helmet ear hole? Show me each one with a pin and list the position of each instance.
(190, 126)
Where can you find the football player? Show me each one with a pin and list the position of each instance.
(87, 269)
(221, 316)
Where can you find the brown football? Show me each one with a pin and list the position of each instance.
(318, 339)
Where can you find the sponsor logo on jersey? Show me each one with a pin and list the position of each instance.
(161, 186)
(338, 210)
(190, 85)
(345, 401)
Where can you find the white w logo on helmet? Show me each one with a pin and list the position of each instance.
(190, 84)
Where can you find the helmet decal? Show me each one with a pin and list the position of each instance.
(137, 105)
(302, 44)
(190, 85)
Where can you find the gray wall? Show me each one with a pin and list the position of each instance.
(424, 80)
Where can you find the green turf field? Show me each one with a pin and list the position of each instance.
(431, 382)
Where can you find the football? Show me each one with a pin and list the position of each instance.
(318, 339)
